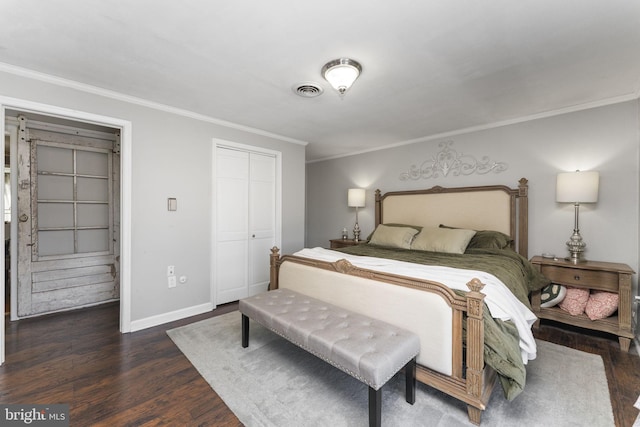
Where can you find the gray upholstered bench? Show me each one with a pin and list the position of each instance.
(367, 349)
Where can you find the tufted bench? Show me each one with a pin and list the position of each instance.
(367, 349)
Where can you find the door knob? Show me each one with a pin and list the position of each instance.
(23, 218)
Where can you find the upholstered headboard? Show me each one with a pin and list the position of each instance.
(491, 207)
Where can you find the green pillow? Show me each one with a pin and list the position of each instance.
(487, 239)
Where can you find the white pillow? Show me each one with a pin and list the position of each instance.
(449, 240)
(397, 237)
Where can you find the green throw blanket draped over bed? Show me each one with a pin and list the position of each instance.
(501, 349)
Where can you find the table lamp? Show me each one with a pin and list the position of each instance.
(356, 198)
(577, 187)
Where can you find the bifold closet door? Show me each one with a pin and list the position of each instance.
(262, 219)
(245, 222)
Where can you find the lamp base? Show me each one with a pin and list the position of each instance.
(356, 233)
(576, 246)
(575, 260)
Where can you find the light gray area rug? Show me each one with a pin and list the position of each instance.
(274, 383)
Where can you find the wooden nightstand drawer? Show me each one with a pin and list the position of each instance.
(602, 280)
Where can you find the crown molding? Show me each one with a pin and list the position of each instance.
(546, 114)
(95, 90)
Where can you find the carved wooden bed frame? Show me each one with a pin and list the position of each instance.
(470, 380)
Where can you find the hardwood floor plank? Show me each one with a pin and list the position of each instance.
(142, 379)
(622, 369)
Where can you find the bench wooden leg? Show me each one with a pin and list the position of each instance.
(245, 331)
(375, 407)
(410, 381)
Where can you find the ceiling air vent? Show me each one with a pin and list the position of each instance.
(307, 89)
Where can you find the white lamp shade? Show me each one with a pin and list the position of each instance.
(341, 76)
(577, 187)
(356, 197)
(341, 73)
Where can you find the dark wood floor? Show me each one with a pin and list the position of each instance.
(107, 378)
(623, 369)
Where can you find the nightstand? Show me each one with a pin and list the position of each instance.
(605, 276)
(343, 243)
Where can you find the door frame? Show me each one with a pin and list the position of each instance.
(278, 202)
(125, 194)
(12, 131)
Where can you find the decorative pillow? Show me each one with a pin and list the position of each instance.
(552, 295)
(601, 304)
(575, 300)
(392, 224)
(396, 237)
(491, 240)
(487, 239)
(450, 240)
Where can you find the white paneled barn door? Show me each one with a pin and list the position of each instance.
(246, 222)
(68, 218)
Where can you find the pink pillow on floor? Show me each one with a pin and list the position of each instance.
(575, 301)
(601, 304)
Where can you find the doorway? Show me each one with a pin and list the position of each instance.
(10, 105)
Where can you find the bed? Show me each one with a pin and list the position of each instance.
(445, 281)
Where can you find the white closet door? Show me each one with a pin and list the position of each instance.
(245, 222)
(261, 219)
(232, 224)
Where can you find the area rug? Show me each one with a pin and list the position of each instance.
(274, 383)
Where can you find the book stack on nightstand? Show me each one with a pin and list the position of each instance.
(591, 275)
(343, 243)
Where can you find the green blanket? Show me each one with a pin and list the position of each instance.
(501, 349)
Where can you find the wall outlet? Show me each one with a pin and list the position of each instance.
(183, 279)
(171, 270)
(172, 281)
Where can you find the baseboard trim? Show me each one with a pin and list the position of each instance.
(149, 322)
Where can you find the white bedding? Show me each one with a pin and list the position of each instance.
(501, 302)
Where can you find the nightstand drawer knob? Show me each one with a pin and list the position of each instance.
(576, 277)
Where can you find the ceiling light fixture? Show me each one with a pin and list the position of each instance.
(341, 73)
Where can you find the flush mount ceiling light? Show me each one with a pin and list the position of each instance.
(341, 73)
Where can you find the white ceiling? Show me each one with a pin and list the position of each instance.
(430, 68)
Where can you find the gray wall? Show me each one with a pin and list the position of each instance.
(171, 157)
(604, 139)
